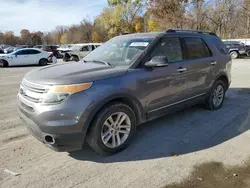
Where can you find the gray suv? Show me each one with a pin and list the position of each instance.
(127, 81)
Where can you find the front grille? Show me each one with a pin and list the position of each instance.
(33, 92)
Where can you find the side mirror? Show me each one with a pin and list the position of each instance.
(157, 61)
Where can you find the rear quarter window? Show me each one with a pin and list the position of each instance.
(221, 47)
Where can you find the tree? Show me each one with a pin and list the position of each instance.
(168, 13)
(25, 36)
(64, 38)
(153, 25)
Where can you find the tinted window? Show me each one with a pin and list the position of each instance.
(169, 47)
(92, 47)
(197, 48)
(85, 48)
(34, 52)
(22, 52)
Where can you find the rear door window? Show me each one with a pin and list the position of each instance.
(197, 48)
(32, 52)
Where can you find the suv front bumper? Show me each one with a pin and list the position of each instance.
(67, 135)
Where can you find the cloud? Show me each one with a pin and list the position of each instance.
(45, 15)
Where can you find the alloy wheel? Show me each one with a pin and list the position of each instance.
(218, 95)
(116, 130)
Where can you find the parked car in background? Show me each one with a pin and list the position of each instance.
(129, 80)
(79, 51)
(1, 51)
(38, 46)
(9, 49)
(62, 50)
(27, 56)
(237, 49)
(53, 49)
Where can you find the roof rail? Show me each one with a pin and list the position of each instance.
(190, 31)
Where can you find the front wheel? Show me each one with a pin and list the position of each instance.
(216, 96)
(248, 53)
(113, 129)
(4, 63)
(234, 54)
(75, 58)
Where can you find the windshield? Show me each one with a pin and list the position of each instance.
(119, 51)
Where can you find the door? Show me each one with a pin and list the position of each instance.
(200, 65)
(21, 57)
(84, 51)
(166, 86)
(34, 56)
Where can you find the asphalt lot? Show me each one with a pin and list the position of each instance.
(164, 152)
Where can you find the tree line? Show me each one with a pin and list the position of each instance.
(227, 18)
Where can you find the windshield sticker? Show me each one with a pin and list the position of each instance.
(139, 44)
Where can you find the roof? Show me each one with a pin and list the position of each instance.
(29, 49)
(81, 44)
(141, 35)
(168, 32)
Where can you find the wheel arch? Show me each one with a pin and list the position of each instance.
(223, 77)
(4, 60)
(127, 99)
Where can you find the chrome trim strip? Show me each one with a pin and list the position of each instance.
(176, 102)
(25, 101)
(35, 85)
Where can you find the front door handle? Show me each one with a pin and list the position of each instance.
(181, 69)
(213, 63)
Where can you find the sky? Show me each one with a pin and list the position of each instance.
(45, 15)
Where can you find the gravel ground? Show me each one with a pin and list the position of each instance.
(165, 151)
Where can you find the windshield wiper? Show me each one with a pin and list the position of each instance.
(98, 61)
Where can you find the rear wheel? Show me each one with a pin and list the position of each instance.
(113, 129)
(234, 55)
(43, 62)
(216, 96)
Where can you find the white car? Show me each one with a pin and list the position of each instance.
(27, 56)
(79, 51)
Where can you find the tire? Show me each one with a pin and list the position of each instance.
(4, 63)
(248, 53)
(96, 136)
(234, 54)
(66, 57)
(75, 58)
(43, 62)
(210, 102)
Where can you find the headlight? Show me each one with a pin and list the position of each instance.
(58, 94)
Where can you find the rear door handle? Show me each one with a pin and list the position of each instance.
(213, 63)
(181, 69)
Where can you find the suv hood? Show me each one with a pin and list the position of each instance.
(74, 73)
